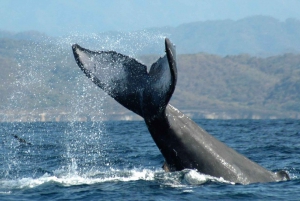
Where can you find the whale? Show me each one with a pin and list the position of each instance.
(21, 140)
(183, 143)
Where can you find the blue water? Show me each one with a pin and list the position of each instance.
(118, 160)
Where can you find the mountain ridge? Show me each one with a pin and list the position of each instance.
(39, 75)
(255, 35)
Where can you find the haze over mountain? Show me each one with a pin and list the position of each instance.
(57, 18)
(257, 35)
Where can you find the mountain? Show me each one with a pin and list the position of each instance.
(250, 85)
(257, 36)
(41, 81)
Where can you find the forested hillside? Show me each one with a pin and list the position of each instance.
(238, 86)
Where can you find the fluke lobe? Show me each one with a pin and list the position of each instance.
(181, 141)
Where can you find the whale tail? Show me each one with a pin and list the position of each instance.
(127, 80)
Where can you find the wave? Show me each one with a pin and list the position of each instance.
(72, 179)
(65, 177)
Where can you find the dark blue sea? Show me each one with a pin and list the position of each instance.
(118, 160)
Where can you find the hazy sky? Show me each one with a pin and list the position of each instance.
(60, 17)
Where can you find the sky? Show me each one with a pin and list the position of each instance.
(63, 17)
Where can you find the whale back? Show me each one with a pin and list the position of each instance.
(128, 82)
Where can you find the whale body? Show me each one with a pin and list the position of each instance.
(181, 141)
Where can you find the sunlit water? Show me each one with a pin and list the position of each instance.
(118, 160)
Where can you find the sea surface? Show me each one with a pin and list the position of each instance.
(118, 160)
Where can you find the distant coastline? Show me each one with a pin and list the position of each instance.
(55, 116)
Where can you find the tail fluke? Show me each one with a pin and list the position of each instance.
(127, 80)
(163, 79)
(118, 75)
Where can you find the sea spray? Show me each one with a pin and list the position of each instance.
(47, 73)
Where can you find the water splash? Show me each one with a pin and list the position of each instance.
(129, 43)
(47, 73)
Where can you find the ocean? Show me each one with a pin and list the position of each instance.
(118, 160)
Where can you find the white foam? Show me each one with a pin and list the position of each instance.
(195, 178)
(188, 191)
(66, 177)
(71, 179)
